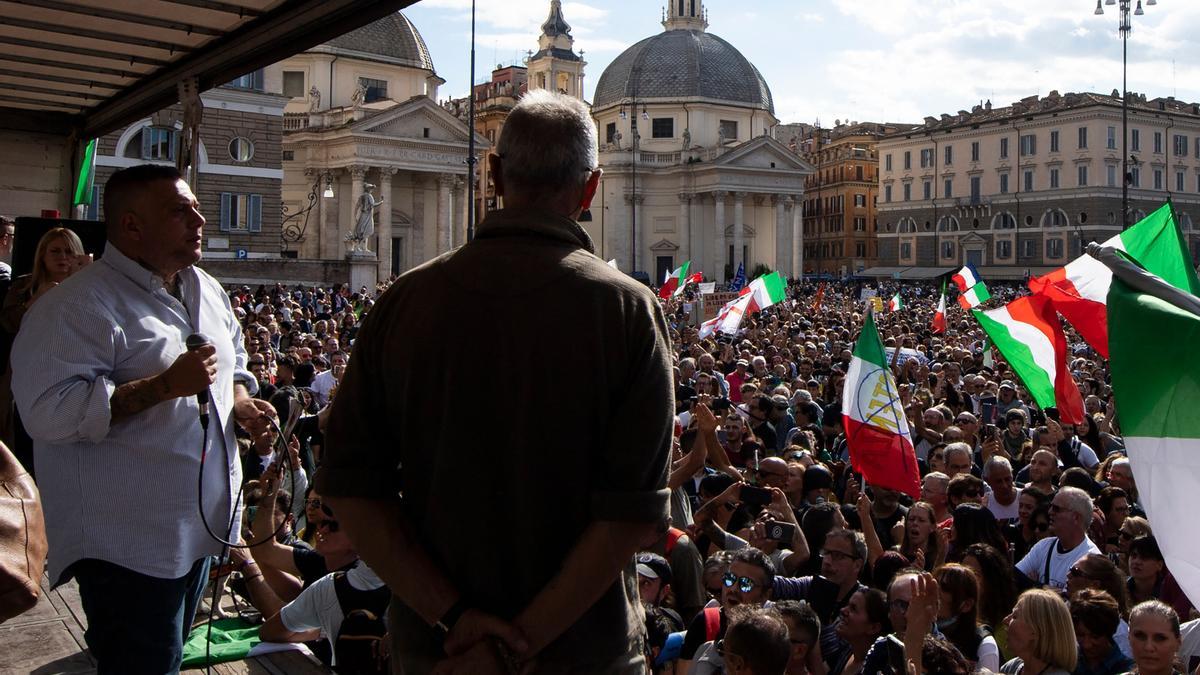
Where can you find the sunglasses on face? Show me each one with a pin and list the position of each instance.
(744, 584)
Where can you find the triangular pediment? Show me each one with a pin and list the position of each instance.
(412, 118)
(664, 245)
(747, 229)
(971, 238)
(764, 152)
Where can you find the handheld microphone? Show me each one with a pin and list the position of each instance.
(196, 341)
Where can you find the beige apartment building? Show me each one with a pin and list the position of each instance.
(1022, 189)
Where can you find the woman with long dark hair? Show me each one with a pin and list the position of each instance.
(998, 590)
(973, 524)
(958, 615)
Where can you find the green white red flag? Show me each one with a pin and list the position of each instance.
(1029, 336)
(895, 303)
(758, 295)
(939, 315)
(1079, 290)
(877, 434)
(1153, 330)
(675, 281)
(765, 291)
(974, 296)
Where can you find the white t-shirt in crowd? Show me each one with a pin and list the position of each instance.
(1002, 512)
(1189, 648)
(1033, 565)
(317, 606)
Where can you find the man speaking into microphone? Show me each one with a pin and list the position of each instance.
(108, 389)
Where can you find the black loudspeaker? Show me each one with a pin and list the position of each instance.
(30, 230)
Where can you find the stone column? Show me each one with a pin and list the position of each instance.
(383, 247)
(783, 257)
(460, 212)
(636, 234)
(739, 232)
(719, 236)
(685, 227)
(798, 236)
(357, 173)
(419, 254)
(616, 235)
(444, 181)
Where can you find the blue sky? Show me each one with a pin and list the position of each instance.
(876, 60)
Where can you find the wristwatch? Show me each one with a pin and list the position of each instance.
(445, 624)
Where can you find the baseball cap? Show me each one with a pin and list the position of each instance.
(654, 566)
(780, 401)
(1008, 384)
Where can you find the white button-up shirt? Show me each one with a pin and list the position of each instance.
(126, 491)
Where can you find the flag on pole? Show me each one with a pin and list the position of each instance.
(675, 281)
(939, 315)
(816, 306)
(1079, 290)
(881, 447)
(974, 296)
(766, 291)
(966, 278)
(895, 303)
(728, 319)
(1153, 329)
(1029, 336)
(87, 175)
(739, 279)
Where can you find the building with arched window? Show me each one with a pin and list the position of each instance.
(1029, 185)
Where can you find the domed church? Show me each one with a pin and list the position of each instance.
(691, 170)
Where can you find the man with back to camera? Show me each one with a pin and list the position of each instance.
(589, 501)
(106, 388)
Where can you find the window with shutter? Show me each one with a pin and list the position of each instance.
(254, 213)
(226, 210)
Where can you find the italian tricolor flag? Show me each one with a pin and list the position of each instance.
(1153, 332)
(1079, 290)
(895, 303)
(675, 281)
(760, 294)
(765, 291)
(974, 296)
(939, 316)
(877, 434)
(1029, 336)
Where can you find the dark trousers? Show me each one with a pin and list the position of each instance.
(137, 623)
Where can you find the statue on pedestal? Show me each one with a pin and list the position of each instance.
(359, 96)
(314, 99)
(364, 224)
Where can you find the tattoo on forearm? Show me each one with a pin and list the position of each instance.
(132, 398)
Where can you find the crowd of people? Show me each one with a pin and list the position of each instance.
(728, 534)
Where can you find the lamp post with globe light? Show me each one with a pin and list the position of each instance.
(1125, 27)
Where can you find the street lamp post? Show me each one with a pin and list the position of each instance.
(1125, 27)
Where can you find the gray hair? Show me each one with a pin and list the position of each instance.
(996, 461)
(957, 447)
(1079, 502)
(855, 538)
(548, 144)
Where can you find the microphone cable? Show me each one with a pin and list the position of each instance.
(226, 544)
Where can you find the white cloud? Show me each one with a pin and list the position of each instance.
(812, 17)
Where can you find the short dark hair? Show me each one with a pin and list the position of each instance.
(753, 556)
(1097, 610)
(121, 185)
(1146, 546)
(760, 637)
(803, 616)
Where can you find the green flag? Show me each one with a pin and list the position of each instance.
(87, 175)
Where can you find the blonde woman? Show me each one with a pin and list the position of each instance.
(59, 255)
(1041, 635)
